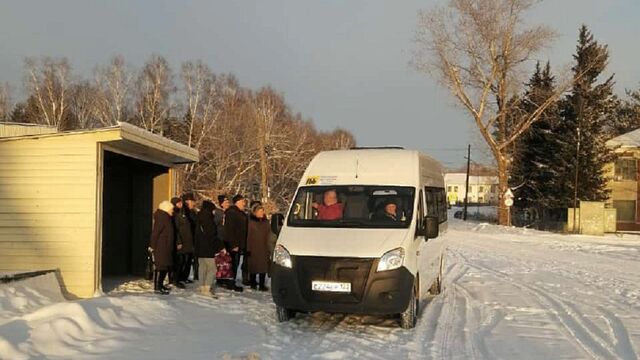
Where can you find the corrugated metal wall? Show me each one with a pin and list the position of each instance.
(48, 208)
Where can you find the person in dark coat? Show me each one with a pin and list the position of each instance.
(277, 221)
(235, 233)
(246, 279)
(173, 272)
(185, 227)
(219, 214)
(388, 213)
(219, 217)
(161, 244)
(258, 247)
(208, 245)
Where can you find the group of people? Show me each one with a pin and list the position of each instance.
(213, 240)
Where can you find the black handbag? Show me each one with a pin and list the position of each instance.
(150, 266)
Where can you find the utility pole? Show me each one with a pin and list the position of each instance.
(575, 182)
(466, 187)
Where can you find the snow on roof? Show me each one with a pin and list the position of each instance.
(460, 178)
(9, 129)
(630, 139)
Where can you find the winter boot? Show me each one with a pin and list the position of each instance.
(231, 285)
(155, 280)
(158, 286)
(263, 281)
(252, 281)
(212, 293)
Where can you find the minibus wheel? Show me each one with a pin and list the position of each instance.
(284, 314)
(409, 317)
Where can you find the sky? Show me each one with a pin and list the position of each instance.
(342, 63)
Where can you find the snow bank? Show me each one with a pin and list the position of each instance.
(24, 296)
(508, 293)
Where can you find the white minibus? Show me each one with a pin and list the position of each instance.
(362, 235)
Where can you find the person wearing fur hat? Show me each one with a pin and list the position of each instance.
(258, 247)
(388, 213)
(185, 228)
(235, 233)
(161, 244)
(219, 214)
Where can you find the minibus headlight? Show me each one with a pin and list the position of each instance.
(281, 256)
(391, 260)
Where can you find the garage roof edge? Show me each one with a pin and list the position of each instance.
(131, 132)
(124, 131)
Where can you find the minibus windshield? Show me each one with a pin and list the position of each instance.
(353, 206)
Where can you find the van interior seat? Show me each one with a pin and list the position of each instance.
(355, 207)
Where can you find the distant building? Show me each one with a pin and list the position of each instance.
(624, 180)
(482, 189)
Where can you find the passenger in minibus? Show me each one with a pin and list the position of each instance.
(331, 209)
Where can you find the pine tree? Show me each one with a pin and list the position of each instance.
(534, 171)
(585, 115)
(626, 117)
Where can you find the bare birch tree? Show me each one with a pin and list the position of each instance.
(478, 49)
(267, 106)
(5, 101)
(47, 80)
(113, 85)
(339, 139)
(82, 104)
(153, 94)
(204, 97)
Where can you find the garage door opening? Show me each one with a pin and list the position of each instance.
(132, 189)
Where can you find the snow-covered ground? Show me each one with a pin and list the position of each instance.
(509, 294)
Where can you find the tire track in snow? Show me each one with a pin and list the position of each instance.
(619, 332)
(590, 342)
(483, 327)
(452, 326)
(435, 322)
(443, 334)
(581, 271)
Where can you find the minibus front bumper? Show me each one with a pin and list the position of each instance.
(372, 292)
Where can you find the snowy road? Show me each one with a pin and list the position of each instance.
(510, 294)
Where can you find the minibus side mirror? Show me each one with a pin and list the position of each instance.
(432, 225)
(277, 221)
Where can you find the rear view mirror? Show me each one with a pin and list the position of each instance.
(277, 221)
(432, 224)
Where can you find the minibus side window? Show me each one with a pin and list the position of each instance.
(420, 217)
(432, 205)
(436, 203)
(442, 205)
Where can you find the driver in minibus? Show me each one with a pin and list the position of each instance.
(389, 212)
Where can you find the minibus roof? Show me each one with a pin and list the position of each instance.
(373, 166)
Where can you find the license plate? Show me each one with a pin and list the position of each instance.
(330, 286)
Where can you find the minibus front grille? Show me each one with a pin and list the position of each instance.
(352, 270)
